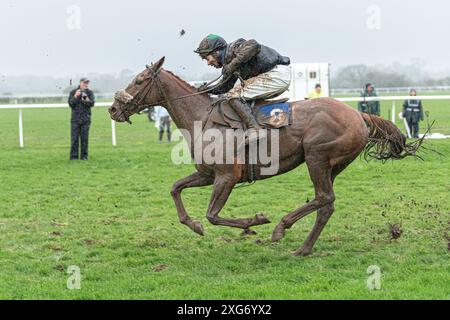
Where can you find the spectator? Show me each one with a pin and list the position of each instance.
(371, 107)
(413, 113)
(81, 100)
(316, 93)
(163, 121)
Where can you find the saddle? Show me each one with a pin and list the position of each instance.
(273, 114)
(269, 114)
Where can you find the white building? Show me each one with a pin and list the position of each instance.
(305, 76)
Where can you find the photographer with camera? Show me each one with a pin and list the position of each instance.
(81, 100)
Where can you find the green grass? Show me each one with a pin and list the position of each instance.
(114, 218)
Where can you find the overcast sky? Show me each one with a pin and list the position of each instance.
(43, 37)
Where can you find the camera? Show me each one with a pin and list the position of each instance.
(84, 95)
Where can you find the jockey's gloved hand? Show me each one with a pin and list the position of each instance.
(228, 71)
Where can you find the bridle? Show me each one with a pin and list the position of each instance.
(136, 101)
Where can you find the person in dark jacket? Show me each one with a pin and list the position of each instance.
(413, 113)
(265, 73)
(81, 100)
(370, 107)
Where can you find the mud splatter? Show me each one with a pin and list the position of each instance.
(58, 224)
(447, 237)
(225, 239)
(55, 247)
(160, 267)
(248, 232)
(89, 242)
(395, 230)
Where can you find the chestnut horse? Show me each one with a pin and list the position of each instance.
(325, 134)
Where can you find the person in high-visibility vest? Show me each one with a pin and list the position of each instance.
(413, 113)
(316, 93)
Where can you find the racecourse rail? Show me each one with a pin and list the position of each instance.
(20, 107)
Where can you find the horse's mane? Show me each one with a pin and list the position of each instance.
(182, 81)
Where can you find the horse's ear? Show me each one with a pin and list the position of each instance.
(157, 65)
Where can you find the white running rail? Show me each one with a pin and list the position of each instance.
(20, 107)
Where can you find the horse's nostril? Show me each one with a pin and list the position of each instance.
(112, 109)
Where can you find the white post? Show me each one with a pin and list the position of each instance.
(407, 128)
(393, 111)
(113, 131)
(20, 129)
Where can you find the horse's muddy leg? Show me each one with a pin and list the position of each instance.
(323, 214)
(223, 185)
(320, 172)
(194, 180)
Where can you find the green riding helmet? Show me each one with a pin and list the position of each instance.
(210, 44)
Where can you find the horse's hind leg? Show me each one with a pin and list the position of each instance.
(321, 176)
(323, 215)
(194, 180)
(223, 186)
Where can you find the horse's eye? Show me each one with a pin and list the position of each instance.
(138, 81)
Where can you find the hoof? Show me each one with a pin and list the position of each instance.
(302, 252)
(278, 233)
(197, 227)
(248, 232)
(261, 218)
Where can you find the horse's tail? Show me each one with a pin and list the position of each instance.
(386, 141)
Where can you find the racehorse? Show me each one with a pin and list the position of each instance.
(325, 134)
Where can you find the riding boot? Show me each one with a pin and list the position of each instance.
(245, 113)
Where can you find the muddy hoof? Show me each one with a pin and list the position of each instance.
(197, 227)
(302, 252)
(261, 218)
(278, 233)
(248, 232)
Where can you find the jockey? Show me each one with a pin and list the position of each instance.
(265, 73)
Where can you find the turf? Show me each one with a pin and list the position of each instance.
(113, 217)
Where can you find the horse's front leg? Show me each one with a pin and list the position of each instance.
(194, 180)
(223, 185)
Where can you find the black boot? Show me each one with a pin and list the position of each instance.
(245, 113)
